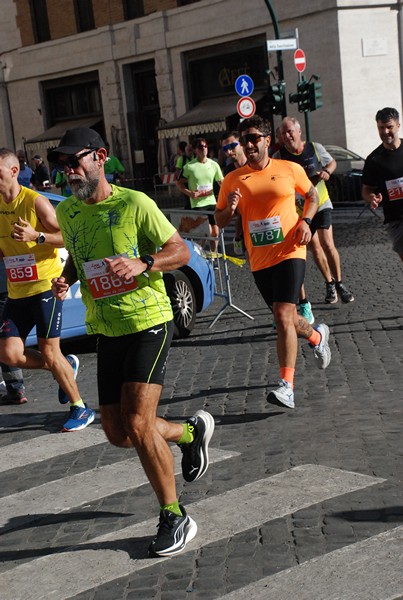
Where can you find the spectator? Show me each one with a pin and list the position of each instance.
(114, 170)
(25, 174)
(40, 179)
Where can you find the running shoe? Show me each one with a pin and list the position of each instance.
(74, 362)
(79, 418)
(174, 532)
(283, 395)
(17, 398)
(305, 310)
(322, 352)
(331, 294)
(195, 458)
(345, 295)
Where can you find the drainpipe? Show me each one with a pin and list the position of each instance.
(5, 109)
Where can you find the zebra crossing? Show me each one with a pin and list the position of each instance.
(123, 551)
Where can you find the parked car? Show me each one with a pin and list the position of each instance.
(190, 289)
(345, 183)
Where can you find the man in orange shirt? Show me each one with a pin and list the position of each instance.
(263, 193)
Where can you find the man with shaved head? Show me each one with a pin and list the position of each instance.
(29, 239)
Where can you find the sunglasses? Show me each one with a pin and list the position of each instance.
(73, 162)
(230, 146)
(201, 146)
(253, 138)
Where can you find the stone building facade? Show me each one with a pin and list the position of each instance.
(130, 67)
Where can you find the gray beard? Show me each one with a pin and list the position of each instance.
(83, 190)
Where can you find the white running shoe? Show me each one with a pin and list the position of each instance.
(283, 395)
(322, 351)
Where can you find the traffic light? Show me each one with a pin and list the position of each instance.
(304, 99)
(276, 98)
(315, 95)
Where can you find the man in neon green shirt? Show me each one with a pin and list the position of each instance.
(197, 182)
(112, 235)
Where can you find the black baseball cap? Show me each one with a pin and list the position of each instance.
(76, 139)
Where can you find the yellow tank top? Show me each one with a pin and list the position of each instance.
(30, 266)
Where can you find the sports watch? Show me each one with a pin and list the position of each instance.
(41, 239)
(307, 220)
(147, 260)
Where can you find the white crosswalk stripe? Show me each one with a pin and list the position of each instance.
(369, 569)
(256, 503)
(48, 446)
(77, 490)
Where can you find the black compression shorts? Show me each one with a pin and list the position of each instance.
(138, 357)
(21, 315)
(281, 283)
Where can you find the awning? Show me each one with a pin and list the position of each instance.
(207, 117)
(51, 137)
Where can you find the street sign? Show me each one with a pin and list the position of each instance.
(246, 107)
(287, 44)
(244, 85)
(299, 60)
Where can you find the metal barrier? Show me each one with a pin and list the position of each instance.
(163, 181)
(195, 226)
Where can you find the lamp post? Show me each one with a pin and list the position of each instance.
(280, 70)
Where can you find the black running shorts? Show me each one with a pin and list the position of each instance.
(322, 220)
(21, 315)
(138, 357)
(281, 283)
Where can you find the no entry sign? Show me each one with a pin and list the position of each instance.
(299, 60)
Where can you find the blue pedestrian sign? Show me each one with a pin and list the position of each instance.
(244, 85)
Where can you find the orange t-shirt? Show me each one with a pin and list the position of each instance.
(267, 208)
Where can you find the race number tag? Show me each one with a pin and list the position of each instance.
(395, 189)
(205, 190)
(266, 232)
(103, 283)
(21, 269)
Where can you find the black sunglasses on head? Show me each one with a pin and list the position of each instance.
(73, 161)
(254, 138)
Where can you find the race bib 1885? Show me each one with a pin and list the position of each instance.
(103, 283)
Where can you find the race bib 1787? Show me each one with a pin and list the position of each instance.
(266, 231)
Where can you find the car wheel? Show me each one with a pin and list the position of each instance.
(183, 302)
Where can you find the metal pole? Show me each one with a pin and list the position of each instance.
(280, 69)
(277, 36)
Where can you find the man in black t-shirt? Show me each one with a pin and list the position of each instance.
(383, 176)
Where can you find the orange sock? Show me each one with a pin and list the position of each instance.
(287, 373)
(315, 338)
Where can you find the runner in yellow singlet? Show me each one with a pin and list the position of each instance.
(29, 239)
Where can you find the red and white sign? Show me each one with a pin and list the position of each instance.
(299, 60)
(246, 107)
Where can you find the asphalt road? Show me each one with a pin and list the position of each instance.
(302, 504)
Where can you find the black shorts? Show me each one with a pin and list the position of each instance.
(281, 283)
(211, 207)
(322, 220)
(21, 315)
(138, 357)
